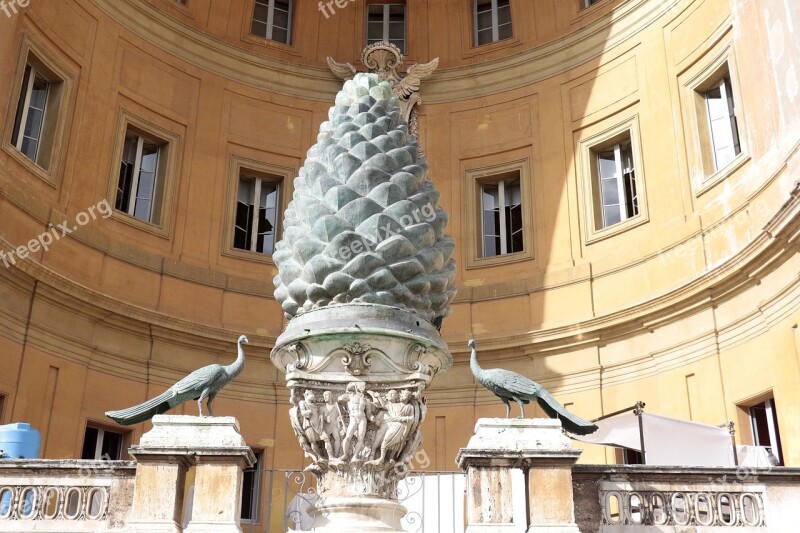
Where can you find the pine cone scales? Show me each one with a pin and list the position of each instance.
(364, 224)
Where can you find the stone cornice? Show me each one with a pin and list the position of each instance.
(455, 84)
(213, 55)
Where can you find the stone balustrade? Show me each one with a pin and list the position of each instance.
(616, 499)
(65, 495)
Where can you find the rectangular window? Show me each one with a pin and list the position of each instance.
(272, 19)
(387, 22)
(37, 111)
(29, 121)
(722, 122)
(492, 21)
(619, 200)
(251, 482)
(501, 208)
(764, 422)
(139, 188)
(257, 209)
(102, 444)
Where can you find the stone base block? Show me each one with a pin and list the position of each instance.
(357, 515)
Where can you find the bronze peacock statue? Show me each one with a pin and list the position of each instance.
(200, 385)
(508, 385)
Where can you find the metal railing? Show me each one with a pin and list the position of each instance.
(282, 500)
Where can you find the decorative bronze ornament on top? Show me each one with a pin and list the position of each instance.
(384, 59)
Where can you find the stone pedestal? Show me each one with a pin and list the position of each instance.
(537, 447)
(219, 453)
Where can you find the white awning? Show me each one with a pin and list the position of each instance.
(667, 441)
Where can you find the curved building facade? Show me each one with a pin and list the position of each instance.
(621, 178)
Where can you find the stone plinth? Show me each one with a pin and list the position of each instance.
(537, 447)
(217, 450)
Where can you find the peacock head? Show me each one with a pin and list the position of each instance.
(243, 340)
(471, 343)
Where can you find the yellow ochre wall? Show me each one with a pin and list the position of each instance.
(694, 311)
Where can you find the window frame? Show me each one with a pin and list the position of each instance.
(259, 178)
(621, 181)
(24, 105)
(475, 179)
(495, 27)
(134, 193)
(255, 495)
(270, 22)
(726, 91)
(386, 23)
(237, 164)
(170, 150)
(501, 200)
(587, 150)
(57, 116)
(775, 445)
(694, 83)
(101, 431)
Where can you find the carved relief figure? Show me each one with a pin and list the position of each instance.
(360, 409)
(414, 437)
(332, 425)
(401, 416)
(297, 426)
(311, 422)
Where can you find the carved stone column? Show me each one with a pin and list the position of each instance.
(356, 375)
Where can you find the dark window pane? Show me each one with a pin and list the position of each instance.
(484, 36)
(261, 12)
(39, 92)
(259, 29)
(112, 446)
(505, 32)
(280, 19)
(89, 443)
(281, 35)
(124, 186)
(485, 20)
(397, 12)
(29, 147)
(21, 103)
(503, 13)
(396, 31)
(34, 125)
(631, 199)
(375, 31)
